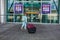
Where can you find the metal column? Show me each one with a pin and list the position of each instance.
(59, 10)
(2, 11)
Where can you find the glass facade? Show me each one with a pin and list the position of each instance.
(40, 11)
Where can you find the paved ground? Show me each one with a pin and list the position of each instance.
(44, 32)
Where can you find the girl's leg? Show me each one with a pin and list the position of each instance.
(22, 25)
(25, 27)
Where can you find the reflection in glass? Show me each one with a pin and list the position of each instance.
(27, 7)
(46, 0)
(10, 18)
(18, 18)
(45, 19)
(54, 18)
(36, 7)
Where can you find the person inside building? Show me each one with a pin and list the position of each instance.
(24, 22)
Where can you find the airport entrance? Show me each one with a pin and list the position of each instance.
(37, 11)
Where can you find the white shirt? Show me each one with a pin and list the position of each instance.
(24, 18)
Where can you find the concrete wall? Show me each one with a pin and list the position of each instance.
(0, 11)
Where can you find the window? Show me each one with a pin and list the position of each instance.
(27, 7)
(45, 19)
(46, 0)
(39, 0)
(42, 11)
(10, 18)
(36, 7)
(18, 18)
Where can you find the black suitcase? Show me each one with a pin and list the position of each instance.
(31, 28)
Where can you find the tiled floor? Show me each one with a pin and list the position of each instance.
(43, 32)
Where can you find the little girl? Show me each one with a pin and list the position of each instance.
(24, 22)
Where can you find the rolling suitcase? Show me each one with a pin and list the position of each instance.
(31, 28)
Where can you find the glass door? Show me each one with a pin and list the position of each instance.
(36, 15)
(28, 10)
(33, 11)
